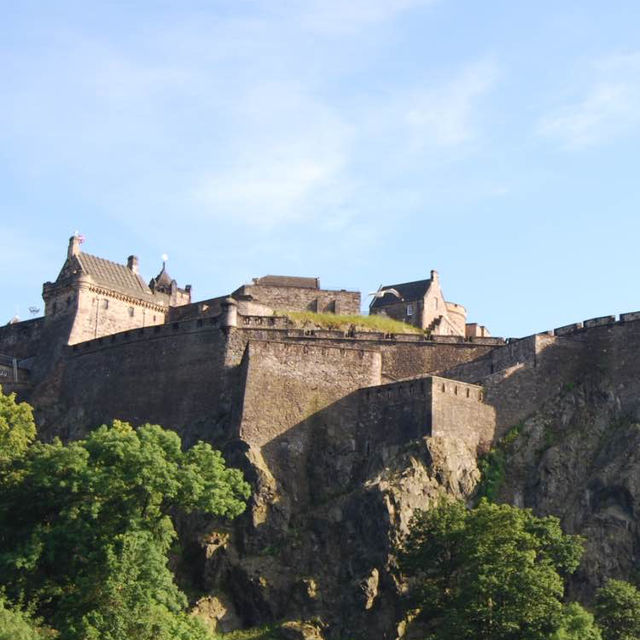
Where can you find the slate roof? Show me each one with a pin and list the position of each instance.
(408, 290)
(288, 281)
(110, 275)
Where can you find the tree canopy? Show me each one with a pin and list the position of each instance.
(86, 527)
(17, 426)
(493, 572)
(618, 610)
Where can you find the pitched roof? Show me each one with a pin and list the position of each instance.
(408, 290)
(288, 281)
(110, 275)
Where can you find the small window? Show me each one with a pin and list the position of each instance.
(105, 304)
(409, 309)
(435, 302)
(131, 312)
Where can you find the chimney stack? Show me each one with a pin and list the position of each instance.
(132, 263)
(434, 275)
(74, 246)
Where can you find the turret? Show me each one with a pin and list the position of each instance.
(229, 313)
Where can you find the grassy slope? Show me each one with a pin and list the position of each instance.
(343, 323)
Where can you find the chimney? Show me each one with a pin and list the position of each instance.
(74, 246)
(434, 276)
(132, 263)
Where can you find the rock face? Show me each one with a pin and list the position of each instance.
(579, 458)
(332, 559)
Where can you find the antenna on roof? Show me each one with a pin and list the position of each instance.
(34, 310)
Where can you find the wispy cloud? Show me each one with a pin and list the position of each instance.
(289, 160)
(445, 115)
(344, 16)
(608, 108)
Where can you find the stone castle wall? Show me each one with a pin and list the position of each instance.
(286, 383)
(119, 375)
(459, 411)
(522, 375)
(175, 376)
(22, 339)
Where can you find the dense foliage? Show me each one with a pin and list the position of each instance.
(618, 611)
(18, 625)
(85, 527)
(17, 427)
(494, 572)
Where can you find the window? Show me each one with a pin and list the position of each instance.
(105, 304)
(409, 309)
(131, 312)
(435, 302)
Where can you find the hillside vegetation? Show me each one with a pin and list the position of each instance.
(305, 319)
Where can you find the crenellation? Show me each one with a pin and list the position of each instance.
(599, 322)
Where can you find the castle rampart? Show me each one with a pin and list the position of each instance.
(523, 374)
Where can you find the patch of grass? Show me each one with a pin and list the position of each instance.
(493, 465)
(270, 632)
(306, 319)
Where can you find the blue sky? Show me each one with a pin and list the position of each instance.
(361, 141)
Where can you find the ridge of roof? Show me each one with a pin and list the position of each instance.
(408, 290)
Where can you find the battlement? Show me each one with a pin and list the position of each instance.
(576, 327)
(281, 327)
(405, 389)
(284, 350)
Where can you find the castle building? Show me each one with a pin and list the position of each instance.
(101, 297)
(422, 304)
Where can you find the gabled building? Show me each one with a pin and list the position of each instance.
(101, 297)
(422, 304)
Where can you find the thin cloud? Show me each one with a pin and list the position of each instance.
(289, 160)
(341, 16)
(609, 108)
(445, 116)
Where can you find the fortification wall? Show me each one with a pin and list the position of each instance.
(522, 375)
(287, 383)
(182, 377)
(22, 339)
(459, 411)
(403, 355)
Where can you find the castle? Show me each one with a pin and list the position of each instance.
(342, 432)
(111, 345)
(144, 351)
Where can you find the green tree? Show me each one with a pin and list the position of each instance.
(494, 572)
(577, 624)
(17, 625)
(618, 610)
(86, 527)
(17, 427)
